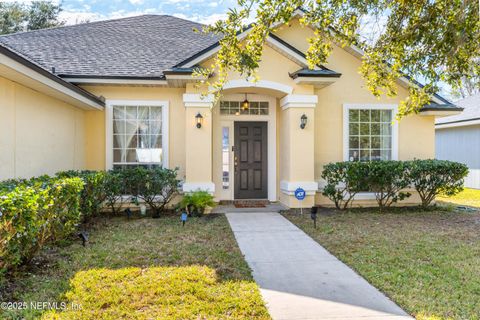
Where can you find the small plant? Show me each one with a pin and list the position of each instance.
(436, 177)
(196, 202)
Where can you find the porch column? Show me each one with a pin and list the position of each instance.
(297, 149)
(198, 143)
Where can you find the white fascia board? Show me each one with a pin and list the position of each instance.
(28, 72)
(116, 81)
(439, 126)
(289, 52)
(264, 84)
(289, 187)
(440, 113)
(299, 101)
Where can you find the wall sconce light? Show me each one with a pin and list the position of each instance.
(303, 121)
(245, 104)
(199, 120)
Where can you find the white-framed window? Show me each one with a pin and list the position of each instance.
(235, 108)
(137, 133)
(370, 132)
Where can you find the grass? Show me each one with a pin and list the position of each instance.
(426, 261)
(468, 197)
(143, 269)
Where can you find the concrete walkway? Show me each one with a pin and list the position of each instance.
(299, 279)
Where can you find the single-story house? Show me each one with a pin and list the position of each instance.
(457, 138)
(117, 93)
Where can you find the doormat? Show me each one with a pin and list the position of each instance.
(249, 205)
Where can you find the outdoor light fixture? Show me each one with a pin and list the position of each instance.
(199, 119)
(245, 104)
(84, 236)
(303, 121)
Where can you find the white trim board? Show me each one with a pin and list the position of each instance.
(51, 84)
(116, 81)
(109, 127)
(439, 126)
(351, 106)
(271, 119)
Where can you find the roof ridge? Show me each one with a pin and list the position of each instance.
(94, 22)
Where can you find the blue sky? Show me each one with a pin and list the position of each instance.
(204, 11)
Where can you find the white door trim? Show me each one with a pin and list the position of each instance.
(271, 119)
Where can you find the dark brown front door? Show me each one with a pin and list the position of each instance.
(251, 160)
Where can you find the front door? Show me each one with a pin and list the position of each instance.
(251, 160)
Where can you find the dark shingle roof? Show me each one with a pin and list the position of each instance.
(141, 46)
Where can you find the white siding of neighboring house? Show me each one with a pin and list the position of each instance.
(461, 144)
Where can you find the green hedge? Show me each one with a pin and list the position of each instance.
(45, 209)
(35, 212)
(389, 180)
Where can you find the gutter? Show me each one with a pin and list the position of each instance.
(23, 61)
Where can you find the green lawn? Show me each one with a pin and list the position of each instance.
(143, 269)
(468, 197)
(428, 262)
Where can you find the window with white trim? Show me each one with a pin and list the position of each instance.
(370, 133)
(235, 108)
(137, 135)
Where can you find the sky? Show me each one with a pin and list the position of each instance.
(203, 11)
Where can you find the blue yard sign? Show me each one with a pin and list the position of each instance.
(184, 218)
(300, 194)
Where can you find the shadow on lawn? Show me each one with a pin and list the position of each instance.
(118, 243)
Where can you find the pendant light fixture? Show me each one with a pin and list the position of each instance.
(245, 104)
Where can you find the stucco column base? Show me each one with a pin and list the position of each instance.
(287, 193)
(198, 143)
(297, 150)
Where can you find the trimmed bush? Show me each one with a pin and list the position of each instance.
(35, 212)
(156, 187)
(93, 194)
(389, 179)
(434, 177)
(344, 181)
(196, 202)
(114, 189)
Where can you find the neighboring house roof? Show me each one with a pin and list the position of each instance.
(70, 89)
(142, 46)
(147, 47)
(470, 114)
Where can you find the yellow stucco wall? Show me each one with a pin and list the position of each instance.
(95, 122)
(38, 134)
(416, 133)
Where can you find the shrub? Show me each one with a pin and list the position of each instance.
(93, 194)
(433, 177)
(34, 212)
(196, 202)
(114, 189)
(344, 181)
(387, 179)
(156, 187)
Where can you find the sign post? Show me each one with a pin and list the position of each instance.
(300, 195)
